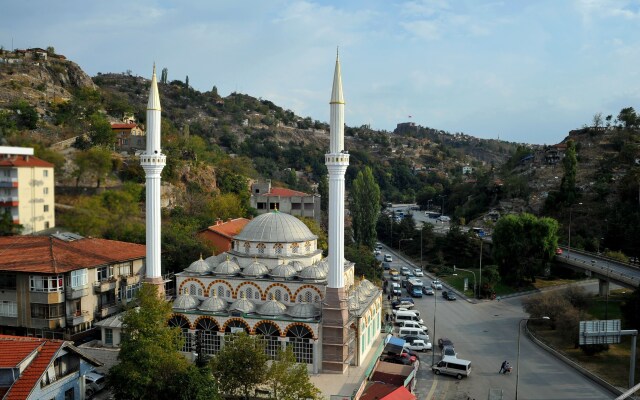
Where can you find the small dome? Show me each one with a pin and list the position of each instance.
(215, 260)
(297, 265)
(227, 267)
(275, 227)
(256, 269)
(303, 310)
(283, 271)
(243, 305)
(186, 302)
(198, 267)
(313, 273)
(361, 293)
(368, 285)
(354, 304)
(213, 304)
(272, 308)
(324, 264)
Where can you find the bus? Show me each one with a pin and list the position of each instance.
(432, 214)
(414, 287)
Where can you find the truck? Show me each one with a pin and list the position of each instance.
(414, 287)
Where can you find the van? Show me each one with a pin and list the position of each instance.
(416, 332)
(452, 366)
(414, 324)
(407, 316)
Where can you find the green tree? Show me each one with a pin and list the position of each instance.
(628, 117)
(240, 366)
(95, 161)
(316, 230)
(7, 227)
(27, 115)
(523, 245)
(364, 207)
(225, 206)
(323, 191)
(289, 380)
(163, 75)
(100, 132)
(150, 365)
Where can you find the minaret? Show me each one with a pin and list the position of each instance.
(335, 313)
(153, 161)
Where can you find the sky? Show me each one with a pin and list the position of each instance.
(521, 71)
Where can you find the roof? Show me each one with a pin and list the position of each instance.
(230, 228)
(47, 255)
(394, 374)
(114, 321)
(123, 126)
(45, 349)
(380, 391)
(24, 161)
(283, 192)
(276, 227)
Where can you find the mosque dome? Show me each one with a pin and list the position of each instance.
(275, 227)
(297, 265)
(361, 293)
(272, 308)
(227, 267)
(313, 273)
(198, 267)
(324, 264)
(354, 304)
(368, 285)
(215, 260)
(303, 310)
(283, 271)
(213, 304)
(185, 302)
(256, 269)
(243, 305)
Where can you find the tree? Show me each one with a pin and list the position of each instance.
(365, 207)
(27, 116)
(96, 161)
(240, 366)
(289, 380)
(523, 245)
(163, 75)
(100, 132)
(150, 365)
(7, 227)
(186, 82)
(51, 50)
(597, 121)
(628, 117)
(316, 230)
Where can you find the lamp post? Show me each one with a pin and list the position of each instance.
(442, 209)
(433, 340)
(570, 211)
(421, 229)
(474, 278)
(518, 355)
(480, 280)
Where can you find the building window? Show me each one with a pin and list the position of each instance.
(261, 247)
(108, 336)
(307, 297)
(6, 173)
(47, 311)
(45, 190)
(278, 248)
(247, 247)
(129, 292)
(220, 291)
(69, 394)
(294, 248)
(105, 273)
(300, 340)
(79, 278)
(278, 295)
(249, 293)
(38, 283)
(262, 206)
(274, 206)
(46, 208)
(45, 173)
(46, 225)
(8, 308)
(125, 268)
(7, 280)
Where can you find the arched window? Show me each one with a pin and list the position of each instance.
(270, 335)
(206, 332)
(182, 323)
(278, 295)
(278, 248)
(294, 248)
(220, 291)
(286, 297)
(308, 296)
(300, 340)
(316, 299)
(247, 247)
(249, 293)
(257, 295)
(200, 292)
(192, 289)
(228, 293)
(307, 246)
(261, 247)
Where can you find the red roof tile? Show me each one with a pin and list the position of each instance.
(123, 126)
(379, 391)
(14, 351)
(24, 161)
(47, 255)
(230, 228)
(284, 192)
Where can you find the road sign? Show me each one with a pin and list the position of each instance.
(600, 332)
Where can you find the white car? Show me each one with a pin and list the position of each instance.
(436, 284)
(414, 324)
(418, 272)
(376, 252)
(95, 382)
(388, 258)
(444, 218)
(418, 345)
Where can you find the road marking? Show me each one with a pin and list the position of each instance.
(432, 390)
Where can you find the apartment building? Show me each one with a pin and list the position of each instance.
(58, 286)
(27, 189)
(265, 198)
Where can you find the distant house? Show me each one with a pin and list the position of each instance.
(129, 136)
(35, 368)
(220, 235)
(265, 198)
(467, 170)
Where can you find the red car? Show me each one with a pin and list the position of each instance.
(558, 251)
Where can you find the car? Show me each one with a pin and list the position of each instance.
(376, 252)
(448, 351)
(436, 284)
(410, 275)
(414, 324)
(558, 251)
(401, 304)
(395, 289)
(404, 359)
(386, 266)
(388, 258)
(378, 246)
(393, 271)
(444, 218)
(404, 270)
(418, 272)
(428, 291)
(633, 260)
(449, 295)
(444, 341)
(418, 345)
(395, 277)
(94, 382)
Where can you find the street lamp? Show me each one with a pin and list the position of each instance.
(480, 280)
(518, 355)
(442, 209)
(433, 340)
(570, 211)
(421, 229)
(474, 278)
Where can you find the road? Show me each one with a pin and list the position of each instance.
(486, 333)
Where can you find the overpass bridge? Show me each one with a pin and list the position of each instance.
(603, 268)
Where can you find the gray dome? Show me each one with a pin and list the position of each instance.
(227, 267)
(297, 265)
(324, 264)
(283, 271)
(275, 227)
(186, 302)
(313, 273)
(215, 260)
(198, 267)
(272, 307)
(243, 305)
(213, 304)
(361, 293)
(368, 285)
(303, 310)
(354, 304)
(256, 268)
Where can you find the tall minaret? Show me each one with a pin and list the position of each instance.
(335, 314)
(153, 161)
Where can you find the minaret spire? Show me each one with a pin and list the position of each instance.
(153, 161)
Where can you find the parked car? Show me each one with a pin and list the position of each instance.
(94, 382)
(395, 289)
(448, 351)
(418, 272)
(428, 291)
(449, 295)
(418, 345)
(388, 258)
(413, 324)
(443, 341)
(444, 218)
(436, 284)
(404, 359)
(378, 246)
(401, 304)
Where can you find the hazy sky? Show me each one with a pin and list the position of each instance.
(526, 71)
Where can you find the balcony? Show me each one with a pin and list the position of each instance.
(107, 309)
(104, 286)
(79, 317)
(131, 280)
(77, 292)
(47, 297)
(10, 201)
(8, 182)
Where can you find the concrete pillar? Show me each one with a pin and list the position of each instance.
(603, 287)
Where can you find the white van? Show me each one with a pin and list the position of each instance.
(415, 332)
(407, 316)
(452, 366)
(413, 324)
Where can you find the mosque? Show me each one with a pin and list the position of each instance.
(274, 281)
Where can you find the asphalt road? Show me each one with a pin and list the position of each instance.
(486, 333)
